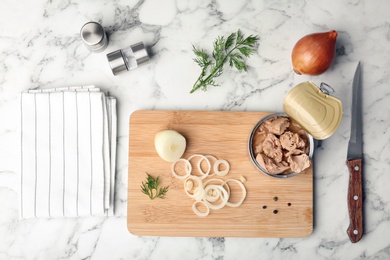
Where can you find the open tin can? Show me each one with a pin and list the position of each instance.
(317, 116)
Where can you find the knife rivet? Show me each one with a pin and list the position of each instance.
(356, 168)
(355, 232)
(355, 197)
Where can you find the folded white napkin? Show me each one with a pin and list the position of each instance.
(68, 152)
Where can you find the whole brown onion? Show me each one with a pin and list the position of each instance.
(314, 53)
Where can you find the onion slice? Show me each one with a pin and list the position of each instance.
(223, 183)
(199, 194)
(212, 198)
(199, 190)
(187, 168)
(209, 156)
(203, 174)
(224, 196)
(238, 203)
(198, 212)
(216, 165)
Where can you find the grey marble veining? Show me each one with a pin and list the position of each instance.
(40, 48)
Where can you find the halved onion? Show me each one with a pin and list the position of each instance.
(170, 145)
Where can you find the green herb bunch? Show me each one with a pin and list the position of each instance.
(232, 49)
(150, 187)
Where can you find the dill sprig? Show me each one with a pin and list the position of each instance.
(232, 49)
(150, 187)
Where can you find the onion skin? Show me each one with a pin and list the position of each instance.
(314, 53)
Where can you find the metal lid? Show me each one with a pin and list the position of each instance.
(94, 37)
(314, 109)
(117, 62)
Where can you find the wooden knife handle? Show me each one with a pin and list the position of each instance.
(355, 200)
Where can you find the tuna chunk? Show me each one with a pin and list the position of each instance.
(270, 165)
(272, 148)
(291, 141)
(276, 125)
(298, 162)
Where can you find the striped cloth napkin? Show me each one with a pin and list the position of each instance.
(68, 152)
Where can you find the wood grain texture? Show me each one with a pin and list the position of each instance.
(225, 135)
(355, 200)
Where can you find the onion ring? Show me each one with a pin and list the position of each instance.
(203, 174)
(223, 183)
(188, 169)
(199, 194)
(198, 212)
(224, 196)
(197, 190)
(208, 156)
(212, 198)
(224, 172)
(230, 204)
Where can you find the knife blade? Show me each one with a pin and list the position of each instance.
(355, 162)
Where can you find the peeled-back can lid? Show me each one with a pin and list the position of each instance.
(317, 112)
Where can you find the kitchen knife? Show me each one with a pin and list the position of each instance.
(354, 163)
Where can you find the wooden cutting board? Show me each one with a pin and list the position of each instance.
(272, 208)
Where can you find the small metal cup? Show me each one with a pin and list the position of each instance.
(94, 37)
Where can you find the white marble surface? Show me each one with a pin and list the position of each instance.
(40, 47)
